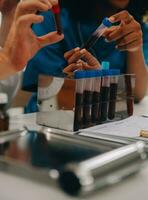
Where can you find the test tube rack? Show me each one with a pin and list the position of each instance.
(86, 100)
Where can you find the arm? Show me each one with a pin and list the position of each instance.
(136, 65)
(128, 37)
(6, 67)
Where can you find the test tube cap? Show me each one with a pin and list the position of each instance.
(106, 22)
(98, 73)
(106, 72)
(80, 74)
(105, 65)
(115, 72)
(90, 73)
(56, 9)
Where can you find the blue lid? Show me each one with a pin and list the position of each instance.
(87, 74)
(106, 22)
(105, 65)
(80, 74)
(106, 72)
(90, 73)
(99, 73)
(115, 72)
(111, 72)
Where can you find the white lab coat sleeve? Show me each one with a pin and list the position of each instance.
(11, 86)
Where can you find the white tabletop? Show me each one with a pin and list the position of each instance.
(142, 107)
(15, 188)
(134, 188)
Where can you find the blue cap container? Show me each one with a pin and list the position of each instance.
(115, 72)
(90, 73)
(106, 22)
(98, 73)
(105, 65)
(80, 74)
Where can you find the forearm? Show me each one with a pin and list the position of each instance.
(6, 67)
(136, 65)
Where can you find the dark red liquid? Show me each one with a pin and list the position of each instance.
(56, 10)
(129, 93)
(4, 147)
(105, 91)
(87, 102)
(130, 106)
(90, 42)
(112, 102)
(58, 23)
(4, 119)
(78, 112)
(95, 114)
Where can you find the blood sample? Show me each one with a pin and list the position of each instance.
(95, 115)
(4, 119)
(56, 11)
(97, 34)
(113, 93)
(105, 92)
(79, 76)
(87, 100)
(129, 86)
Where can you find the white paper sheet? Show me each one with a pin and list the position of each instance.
(129, 127)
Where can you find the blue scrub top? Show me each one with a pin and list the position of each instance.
(50, 60)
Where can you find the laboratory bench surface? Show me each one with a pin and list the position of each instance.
(134, 187)
(15, 188)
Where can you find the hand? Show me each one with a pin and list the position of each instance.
(6, 5)
(22, 43)
(79, 59)
(128, 35)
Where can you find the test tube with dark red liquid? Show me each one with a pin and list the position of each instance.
(56, 11)
(87, 101)
(79, 76)
(96, 97)
(105, 91)
(97, 34)
(130, 86)
(113, 93)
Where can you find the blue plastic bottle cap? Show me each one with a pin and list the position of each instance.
(105, 65)
(80, 74)
(106, 22)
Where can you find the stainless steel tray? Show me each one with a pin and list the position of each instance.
(47, 158)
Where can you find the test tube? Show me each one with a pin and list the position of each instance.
(96, 97)
(87, 101)
(113, 93)
(97, 34)
(56, 11)
(105, 92)
(130, 86)
(80, 80)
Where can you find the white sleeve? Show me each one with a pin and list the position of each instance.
(11, 85)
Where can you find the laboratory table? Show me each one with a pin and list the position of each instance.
(135, 187)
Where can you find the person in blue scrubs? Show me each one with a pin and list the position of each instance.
(121, 45)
